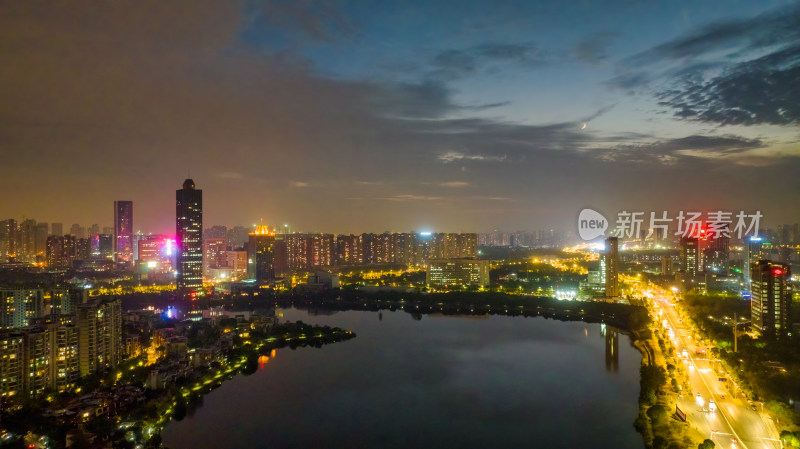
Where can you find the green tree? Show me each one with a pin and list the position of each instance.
(706, 444)
(657, 413)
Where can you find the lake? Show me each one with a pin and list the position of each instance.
(438, 382)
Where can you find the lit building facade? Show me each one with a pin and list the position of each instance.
(189, 237)
(261, 255)
(771, 299)
(457, 272)
(19, 306)
(99, 324)
(214, 250)
(37, 359)
(61, 251)
(123, 233)
(611, 267)
(690, 256)
(753, 253)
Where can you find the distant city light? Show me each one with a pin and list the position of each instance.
(426, 233)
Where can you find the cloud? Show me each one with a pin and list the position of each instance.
(673, 151)
(457, 184)
(735, 37)
(407, 197)
(762, 91)
(452, 64)
(300, 184)
(455, 156)
(593, 49)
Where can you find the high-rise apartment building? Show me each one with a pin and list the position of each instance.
(771, 299)
(57, 229)
(19, 306)
(61, 251)
(99, 324)
(8, 240)
(189, 235)
(214, 253)
(690, 256)
(123, 233)
(611, 257)
(78, 231)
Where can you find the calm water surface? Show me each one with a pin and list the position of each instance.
(441, 382)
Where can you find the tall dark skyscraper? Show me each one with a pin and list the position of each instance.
(751, 256)
(261, 255)
(771, 300)
(690, 252)
(611, 267)
(123, 233)
(189, 237)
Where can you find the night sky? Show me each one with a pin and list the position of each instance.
(397, 116)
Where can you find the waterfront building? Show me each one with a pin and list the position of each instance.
(457, 272)
(189, 236)
(261, 255)
(611, 267)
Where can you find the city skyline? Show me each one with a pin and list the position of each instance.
(469, 117)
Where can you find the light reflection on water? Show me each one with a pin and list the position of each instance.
(442, 381)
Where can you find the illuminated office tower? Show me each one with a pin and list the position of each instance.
(611, 258)
(189, 236)
(261, 255)
(716, 253)
(752, 254)
(457, 272)
(123, 233)
(105, 246)
(690, 260)
(771, 299)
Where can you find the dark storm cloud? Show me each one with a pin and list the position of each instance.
(762, 91)
(456, 63)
